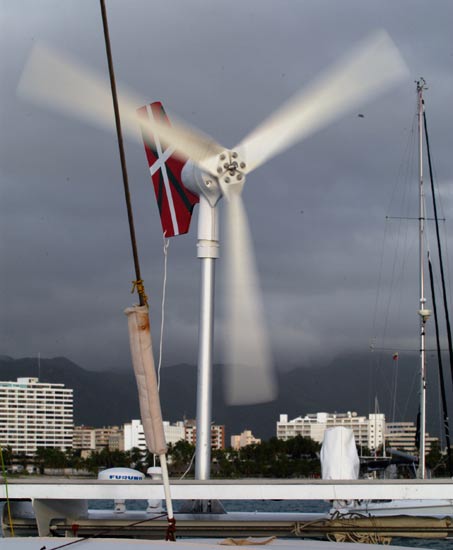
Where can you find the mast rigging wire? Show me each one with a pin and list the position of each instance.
(441, 374)
(445, 304)
(398, 260)
(439, 249)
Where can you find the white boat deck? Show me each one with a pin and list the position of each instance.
(58, 502)
(204, 544)
(246, 489)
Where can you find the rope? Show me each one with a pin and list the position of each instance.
(247, 542)
(299, 528)
(364, 538)
(140, 288)
(188, 468)
(6, 491)
(171, 530)
(341, 536)
(383, 306)
(162, 317)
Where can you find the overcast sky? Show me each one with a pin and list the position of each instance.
(317, 211)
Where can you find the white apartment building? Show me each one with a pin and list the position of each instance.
(402, 436)
(134, 435)
(368, 431)
(242, 440)
(35, 414)
(217, 434)
(84, 438)
(87, 438)
(108, 437)
(174, 432)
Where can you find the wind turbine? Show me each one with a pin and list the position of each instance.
(212, 172)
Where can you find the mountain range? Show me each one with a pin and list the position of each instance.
(347, 383)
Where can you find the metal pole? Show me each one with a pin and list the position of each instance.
(421, 473)
(204, 390)
(166, 484)
(208, 251)
(138, 283)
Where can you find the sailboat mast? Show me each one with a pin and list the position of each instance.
(423, 312)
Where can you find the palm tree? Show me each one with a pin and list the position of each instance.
(135, 457)
(181, 454)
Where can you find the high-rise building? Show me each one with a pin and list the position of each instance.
(35, 414)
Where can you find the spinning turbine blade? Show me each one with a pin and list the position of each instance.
(249, 376)
(62, 84)
(187, 142)
(370, 69)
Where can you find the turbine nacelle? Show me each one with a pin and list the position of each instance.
(228, 177)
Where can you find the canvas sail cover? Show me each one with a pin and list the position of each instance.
(339, 458)
(145, 374)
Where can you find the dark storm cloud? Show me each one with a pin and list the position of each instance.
(317, 212)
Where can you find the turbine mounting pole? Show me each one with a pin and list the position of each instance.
(208, 252)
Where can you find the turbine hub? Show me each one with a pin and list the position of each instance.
(231, 172)
(229, 176)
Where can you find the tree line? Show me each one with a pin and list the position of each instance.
(297, 457)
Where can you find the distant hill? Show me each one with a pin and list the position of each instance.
(346, 383)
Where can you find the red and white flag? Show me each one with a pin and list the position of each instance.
(175, 201)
